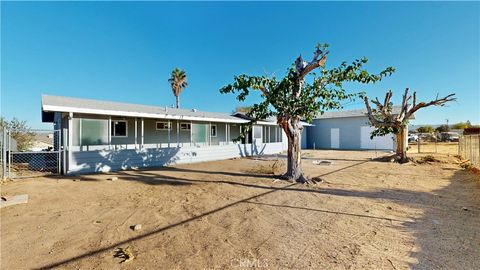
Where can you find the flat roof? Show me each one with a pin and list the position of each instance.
(100, 107)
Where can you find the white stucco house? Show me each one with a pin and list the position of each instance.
(101, 136)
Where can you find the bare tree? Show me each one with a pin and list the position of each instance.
(386, 121)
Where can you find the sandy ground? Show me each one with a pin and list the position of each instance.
(232, 215)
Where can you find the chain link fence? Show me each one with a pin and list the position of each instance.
(429, 143)
(30, 153)
(469, 148)
(426, 143)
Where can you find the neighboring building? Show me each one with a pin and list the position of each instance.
(348, 130)
(10, 143)
(101, 136)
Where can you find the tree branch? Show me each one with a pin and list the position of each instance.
(370, 115)
(435, 102)
(304, 68)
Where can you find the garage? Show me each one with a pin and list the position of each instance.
(346, 130)
(378, 142)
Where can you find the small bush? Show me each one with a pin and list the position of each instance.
(270, 167)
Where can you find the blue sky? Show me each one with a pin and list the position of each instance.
(125, 51)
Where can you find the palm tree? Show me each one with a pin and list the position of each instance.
(178, 81)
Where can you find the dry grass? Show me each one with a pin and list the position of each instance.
(273, 167)
(426, 159)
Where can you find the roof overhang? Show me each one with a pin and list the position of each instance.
(54, 108)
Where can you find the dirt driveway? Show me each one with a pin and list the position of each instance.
(232, 215)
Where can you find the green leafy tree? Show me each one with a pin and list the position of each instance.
(462, 125)
(178, 82)
(386, 121)
(19, 131)
(292, 98)
(425, 129)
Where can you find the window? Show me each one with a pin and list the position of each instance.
(164, 126)
(280, 134)
(213, 130)
(185, 126)
(257, 132)
(90, 131)
(119, 128)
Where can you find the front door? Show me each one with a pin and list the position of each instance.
(335, 138)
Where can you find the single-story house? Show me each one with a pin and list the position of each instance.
(101, 136)
(347, 130)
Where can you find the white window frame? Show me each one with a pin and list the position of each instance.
(185, 129)
(168, 124)
(211, 129)
(113, 128)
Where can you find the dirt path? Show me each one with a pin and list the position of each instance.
(232, 215)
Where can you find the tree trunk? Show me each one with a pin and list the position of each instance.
(177, 101)
(294, 157)
(401, 151)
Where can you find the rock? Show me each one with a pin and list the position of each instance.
(113, 178)
(13, 200)
(317, 180)
(389, 207)
(136, 227)
(321, 162)
(465, 209)
(436, 222)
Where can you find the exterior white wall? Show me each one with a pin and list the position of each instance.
(123, 159)
(319, 136)
(123, 153)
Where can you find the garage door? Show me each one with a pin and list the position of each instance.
(382, 142)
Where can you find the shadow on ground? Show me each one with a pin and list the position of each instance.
(435, 232)
(449, 225)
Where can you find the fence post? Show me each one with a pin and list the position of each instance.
(56, 142)
(9, 136)
(4, 153)
(471, 149)
(64, 151)
(460, 139)
(478, 156)
(418, 144)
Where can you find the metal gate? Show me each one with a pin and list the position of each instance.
(30, 153)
